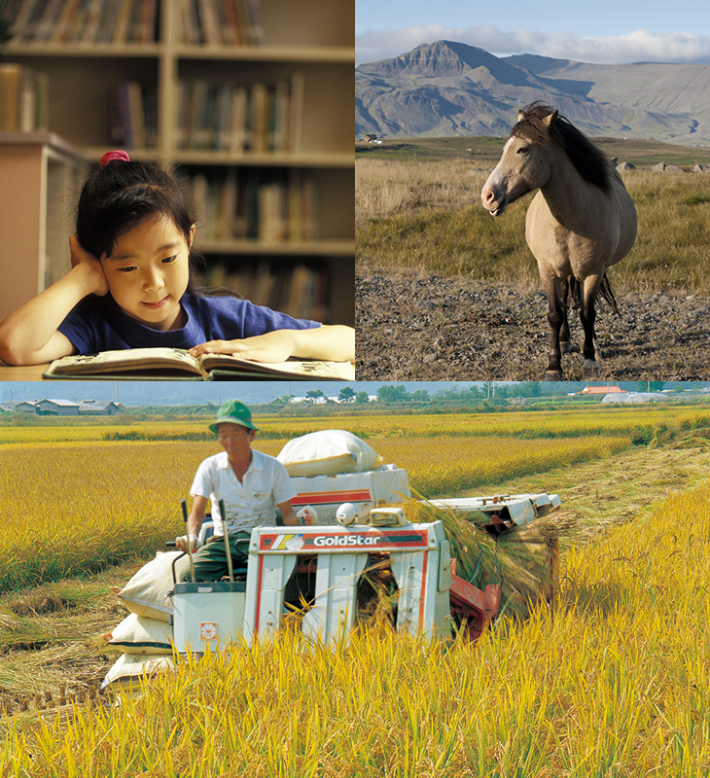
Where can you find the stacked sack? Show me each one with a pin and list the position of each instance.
(327, 452)
(145, 636)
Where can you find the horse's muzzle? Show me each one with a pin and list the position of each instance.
(493, 200)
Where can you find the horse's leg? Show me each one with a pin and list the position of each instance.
(590, 286)
(565, 346)
(556, 316)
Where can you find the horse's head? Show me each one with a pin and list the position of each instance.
(523, 166)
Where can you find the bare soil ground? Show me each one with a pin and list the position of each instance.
(457, 329)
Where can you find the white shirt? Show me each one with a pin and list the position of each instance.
(249, 504)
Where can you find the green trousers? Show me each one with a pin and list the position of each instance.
(210, 561)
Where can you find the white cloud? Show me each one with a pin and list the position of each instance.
(637, 46)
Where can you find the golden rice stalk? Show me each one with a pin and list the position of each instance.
(518, 559)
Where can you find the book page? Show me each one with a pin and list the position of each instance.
(125, 360)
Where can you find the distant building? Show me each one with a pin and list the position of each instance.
(636, 397)
(70, 408)
(602, 390)
(26, 406)
(57, 408)
(99, 408)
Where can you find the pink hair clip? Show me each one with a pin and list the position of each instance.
(114, 156)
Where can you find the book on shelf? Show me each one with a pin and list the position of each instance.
(24, 98)
(270, 207)
(85, 21)
(133, 112)
(221, 22)
(299, 290)
(261, 119)
(170, 363)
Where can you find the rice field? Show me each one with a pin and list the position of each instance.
(88, 502)
(613, 683)
(595, 420)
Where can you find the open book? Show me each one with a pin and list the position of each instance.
(173, 363)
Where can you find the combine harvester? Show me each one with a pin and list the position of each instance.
(325, 578)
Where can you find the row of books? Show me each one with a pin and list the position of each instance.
(270, 207)
(133, 115)
(299, 290)
(222, 22)
(229, 117)
(212, 117)
(203, 22)
(24, 98)
(83, 21)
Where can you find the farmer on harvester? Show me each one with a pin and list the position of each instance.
(252, 485)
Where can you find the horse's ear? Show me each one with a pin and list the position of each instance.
(521, 115)
(548, 121)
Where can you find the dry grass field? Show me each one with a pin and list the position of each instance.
(446, 292)
(422, 217)
(613, 683)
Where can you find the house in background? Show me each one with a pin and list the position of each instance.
(65, 407)
(26, 406)
(602, 390)
(57, 408)
(99, 408)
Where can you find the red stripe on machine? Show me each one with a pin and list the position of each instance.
(323, 498)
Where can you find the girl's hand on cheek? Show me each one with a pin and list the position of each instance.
(80, 257)
(271, 347)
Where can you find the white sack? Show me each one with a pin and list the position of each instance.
(328, 452)
(141, 635)
(146, 594)
(130, 668)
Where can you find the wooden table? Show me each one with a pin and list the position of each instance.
(28, 373)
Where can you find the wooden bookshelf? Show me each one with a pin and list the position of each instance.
(311, 37)
(41, 175)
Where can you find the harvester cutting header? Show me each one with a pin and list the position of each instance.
(441, 568)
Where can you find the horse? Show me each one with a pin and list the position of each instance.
(581, 221)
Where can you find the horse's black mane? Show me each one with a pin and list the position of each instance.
(589, 161)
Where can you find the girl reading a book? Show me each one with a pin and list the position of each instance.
(130, 286)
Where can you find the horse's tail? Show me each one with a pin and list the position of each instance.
(575, 293)
(608, 294)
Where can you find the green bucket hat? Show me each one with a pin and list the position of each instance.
(234, 412)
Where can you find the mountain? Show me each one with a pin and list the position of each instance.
(449, 88)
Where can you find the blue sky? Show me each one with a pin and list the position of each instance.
(607, 31)
(194, 392)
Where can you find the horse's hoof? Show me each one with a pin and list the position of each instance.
(553, 375)
(590, 369)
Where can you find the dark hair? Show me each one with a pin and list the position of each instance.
(591, 163)
(122, 194)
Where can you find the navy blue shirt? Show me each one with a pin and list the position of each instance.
(98, 324)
